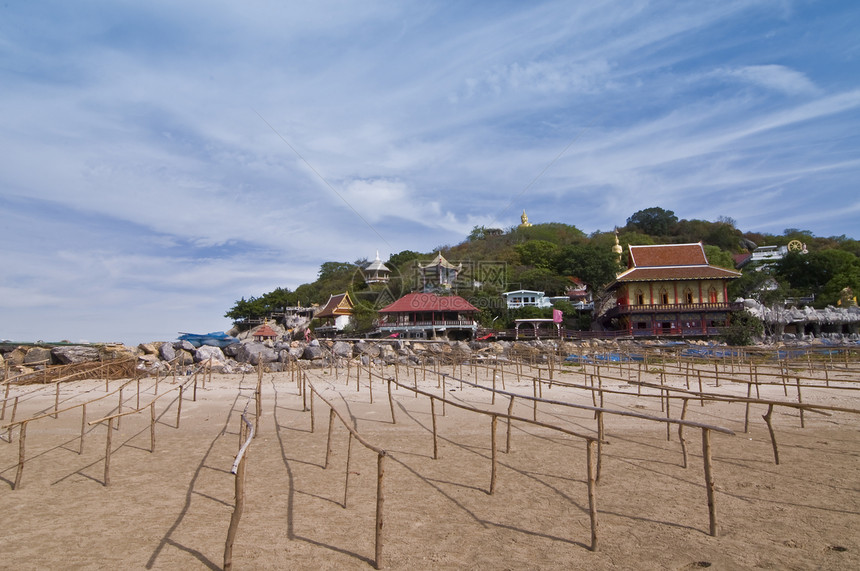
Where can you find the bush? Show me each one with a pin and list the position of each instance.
(742, 329)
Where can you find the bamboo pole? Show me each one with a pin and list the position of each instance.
(592, 491)
(5, 398)
(107, 451)
(433, 417)
(391, 403)
(22, 435)
(681, 432)
(152, 426)
(237, 514)
(83, 427)
(346, 480)
(709, 482)
(601, 433)
(56, 398)
(493, 446)
(179, 407)
(508, 437)
(328, 440)
(312, 412)
(800, 401)
(767, 419)
(380, 501)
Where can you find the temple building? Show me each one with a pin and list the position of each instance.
(376, 272)
(439, 273)
(670, 290)
(335, 315)
(429, 316)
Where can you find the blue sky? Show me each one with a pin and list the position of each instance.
(163, 159)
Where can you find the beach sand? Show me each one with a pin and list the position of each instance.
(171, 508)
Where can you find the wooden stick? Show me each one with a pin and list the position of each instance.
(709, 482)
(5, 398)
(22, 434)
(237, 514)
(493, 446)
(592, 492)
(328, 441)
(681, 432)
(380, 500)
(179, 407)
(508, 437)
(433, 416)
(747, 413)
(767, 419)
(600, 437)
(152, 427)
(119, 408)
(107, 451)
(56, 398)
(346, 480)
(83, 427)
(800, 401)
(391, 403)
(312, 411)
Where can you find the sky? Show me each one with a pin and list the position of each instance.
(162, 159)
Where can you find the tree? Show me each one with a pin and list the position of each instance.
(537, 253)
(594, 266)
(719, 257)
(742, 329)
(654, 221)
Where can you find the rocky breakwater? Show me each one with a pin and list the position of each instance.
(244, 357)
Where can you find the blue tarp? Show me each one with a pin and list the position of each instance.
(214, 339)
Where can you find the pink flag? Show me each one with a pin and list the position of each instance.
(556, 316)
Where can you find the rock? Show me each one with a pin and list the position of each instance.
(296, 352)
(206, 352)
(312, 353)
(38, 355)
(184, 358)
(342, 349)
(16, 357)
(167, 352)
(184, 345)
(256, 353)
(148, 348)
(232, 350)
(75, 354)
(418, 347)
(148, 359)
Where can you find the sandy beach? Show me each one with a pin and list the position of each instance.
(170, 508)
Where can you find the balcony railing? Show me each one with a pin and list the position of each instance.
(674, 308)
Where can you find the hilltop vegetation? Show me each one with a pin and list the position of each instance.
(545, 257)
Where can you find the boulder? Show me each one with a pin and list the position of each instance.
(184, 357)
(16, 356)
(256, 353)
(206, 352)
(232, 350)
(167, 352)
(75, 354)
(148, 348)
(312, 353)
(38, 355)
(342, 349)
(296, 352)
(184, 345)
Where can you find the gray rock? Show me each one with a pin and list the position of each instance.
(38, 355)
(184, 358)
(342, 349)
(206, 352)
(75, 354)
(312, 353)
(16, 357)
(167, 352)
(232, 350)
(296, 353)
(184, 345)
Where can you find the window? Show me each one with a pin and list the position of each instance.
(712, 295)
(688, 295)
(664, 297)
(640, 297)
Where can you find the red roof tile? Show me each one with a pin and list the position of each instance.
(668, 255)
(414, 302)
(265, 331)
